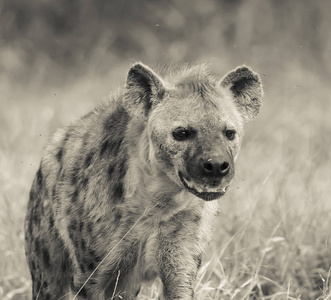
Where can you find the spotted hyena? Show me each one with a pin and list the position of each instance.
(123, 195)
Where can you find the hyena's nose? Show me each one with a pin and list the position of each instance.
(214, 168)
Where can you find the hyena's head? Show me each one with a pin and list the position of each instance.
(194, 122)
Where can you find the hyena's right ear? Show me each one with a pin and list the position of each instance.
(144, 89)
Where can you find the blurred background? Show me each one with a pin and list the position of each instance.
(46, 42)
(59, 58)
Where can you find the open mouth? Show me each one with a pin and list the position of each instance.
(207, 196)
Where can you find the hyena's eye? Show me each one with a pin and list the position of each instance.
(230, 134)
(180, 134)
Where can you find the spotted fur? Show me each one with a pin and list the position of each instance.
(123, 195)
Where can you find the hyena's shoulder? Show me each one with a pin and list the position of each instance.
(83, 137)
(88, 148)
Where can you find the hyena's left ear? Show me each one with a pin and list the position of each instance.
(246, 88)
(144, 89)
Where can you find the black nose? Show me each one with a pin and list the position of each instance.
(212, 168)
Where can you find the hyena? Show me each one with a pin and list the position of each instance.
(124, 194)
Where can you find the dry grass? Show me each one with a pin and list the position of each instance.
(273, 233)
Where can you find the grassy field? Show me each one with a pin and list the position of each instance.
(273, 232)
(272, 237)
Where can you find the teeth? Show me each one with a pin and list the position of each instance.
(191, 185)
(215, 190)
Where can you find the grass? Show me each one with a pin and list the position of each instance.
(272, 236)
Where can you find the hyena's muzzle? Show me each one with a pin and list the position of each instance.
(208, 173)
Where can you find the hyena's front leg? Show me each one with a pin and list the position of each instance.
(179, 257)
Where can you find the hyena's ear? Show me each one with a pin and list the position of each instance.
(246, 88)
(144, 89)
